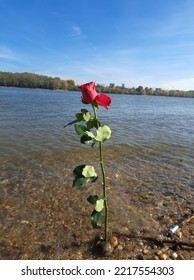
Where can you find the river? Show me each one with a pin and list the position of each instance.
(149, 159)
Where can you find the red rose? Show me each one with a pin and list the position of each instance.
(88, 92)
(103, 100)
(90, 95)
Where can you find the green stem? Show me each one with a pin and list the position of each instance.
(104, 191)
(104, 183)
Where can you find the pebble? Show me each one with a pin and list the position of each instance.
(120, 247)
(181, 257)
(168, 198)
(141, 243)
(174, 256)
(5, 182)
(6, 206)
(165, 249)
(179, 233)
(145, 251)
(129, 207)
(24, 257)
(107, 248)
(159, 204)
(25, 222)
(158, 252)
(114, 241)
(79, 255)
(163, 257)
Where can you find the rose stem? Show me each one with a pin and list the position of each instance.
(104, 181)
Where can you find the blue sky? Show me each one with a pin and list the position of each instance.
(135, 42)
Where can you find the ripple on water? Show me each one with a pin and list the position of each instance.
(150, 182)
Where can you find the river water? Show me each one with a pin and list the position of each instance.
(149, 161)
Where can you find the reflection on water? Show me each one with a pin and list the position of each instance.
(149, 164)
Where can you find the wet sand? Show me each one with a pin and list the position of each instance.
(43, 217)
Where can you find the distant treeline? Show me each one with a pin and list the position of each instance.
(144, 91)
(31, 80)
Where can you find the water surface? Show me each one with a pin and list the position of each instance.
(149, 163)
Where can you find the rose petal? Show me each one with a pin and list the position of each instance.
(88, 92)
(103, 100)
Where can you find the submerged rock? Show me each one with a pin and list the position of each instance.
(107, 248)
(103, 248)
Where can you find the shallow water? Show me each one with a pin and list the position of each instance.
(149, 164)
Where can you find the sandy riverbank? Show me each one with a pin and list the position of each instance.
(43, 217)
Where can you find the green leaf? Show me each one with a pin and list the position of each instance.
(85, 139)
(92, 199)
(78, 170)
(92, 123)
(99, 205)
(90, 134)
(86, 114)
(70, 123)
(103, 133)
(80, 181)
(83, 175)
(80, 129)
(83, 116)
(79, 117)
(96, 218)
(89, 171)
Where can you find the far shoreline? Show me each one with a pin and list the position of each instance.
(189, 94)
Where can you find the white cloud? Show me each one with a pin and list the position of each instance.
(7, 54)
(181, 84)
(77, 30)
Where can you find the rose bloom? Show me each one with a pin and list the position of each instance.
(90, 95)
